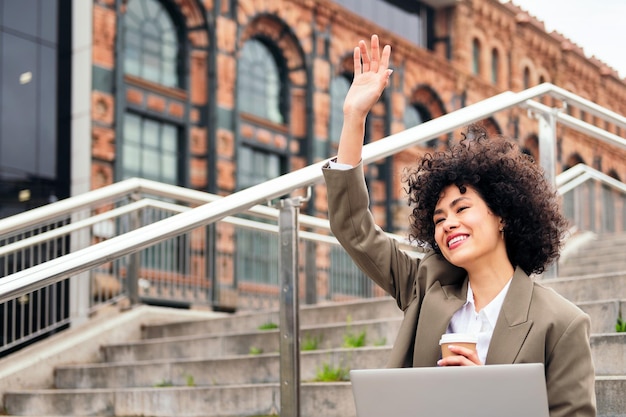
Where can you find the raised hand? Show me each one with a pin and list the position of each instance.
(371, 76)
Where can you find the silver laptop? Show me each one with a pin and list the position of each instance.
(456, 391)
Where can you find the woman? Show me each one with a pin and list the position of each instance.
(491, 220)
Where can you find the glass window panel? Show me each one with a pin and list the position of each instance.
(21, 16)
(151, 8)
(168, 164)
(18, 103)
(412, 117)
(259, 90)
(48, 29)
(132, 128)
(132, 38)
(338, 90)
(150, 133)
(273, 166)
(131, 159)
(150, 163)
(150, 34)
(169, 138)
(154, 155)
(47, 111)
(150, 68)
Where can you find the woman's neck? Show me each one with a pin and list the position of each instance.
(488, 282)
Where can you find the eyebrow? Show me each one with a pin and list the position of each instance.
(454, 203)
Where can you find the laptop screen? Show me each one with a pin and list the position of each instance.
(517, 390)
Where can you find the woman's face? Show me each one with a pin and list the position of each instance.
(466, 231)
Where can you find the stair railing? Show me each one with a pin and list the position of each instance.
(84, 259)
(586, 190)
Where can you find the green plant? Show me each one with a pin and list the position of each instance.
(190, 381)
(309, 343)
(268, 326)
(163, 384)
(255, 350)
(354, 340)
(620, 326)
(328, 373)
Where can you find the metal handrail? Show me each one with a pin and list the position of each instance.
(140, 186)
(84, 259)
(580, 173)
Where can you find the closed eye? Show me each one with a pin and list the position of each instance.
(439, 220)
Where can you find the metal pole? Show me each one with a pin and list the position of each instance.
(547, 160)
(134, 261)
(289, 310)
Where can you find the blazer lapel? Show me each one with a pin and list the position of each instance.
(439, 304)
(513, 324)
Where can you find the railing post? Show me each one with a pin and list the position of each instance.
(80, 284)
(547, 160)
(289, 309)
(134, 262)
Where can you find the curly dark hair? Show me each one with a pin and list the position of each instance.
(510, 183)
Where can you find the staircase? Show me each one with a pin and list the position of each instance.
(228, 366)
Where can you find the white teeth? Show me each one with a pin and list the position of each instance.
(456, 239)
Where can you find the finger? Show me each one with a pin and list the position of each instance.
(365, 56)
(470, 354)
(356, 57)
(375, 46)
(385, 58)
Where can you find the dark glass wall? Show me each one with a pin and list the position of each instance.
(29, 104)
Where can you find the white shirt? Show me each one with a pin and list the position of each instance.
(467, 320)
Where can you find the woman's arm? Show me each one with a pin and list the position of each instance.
(371, 76)
(570, 376)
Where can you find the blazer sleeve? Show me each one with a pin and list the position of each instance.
(375, 253)
(570, 376)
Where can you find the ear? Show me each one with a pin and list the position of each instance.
(502, 224)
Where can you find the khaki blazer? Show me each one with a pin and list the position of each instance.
(535, 324)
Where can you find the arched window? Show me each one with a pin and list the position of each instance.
(150, 43)
(476, 56)
(495, 65)
(338, 89)
(416, 114)
(259, 90)
(526, 78)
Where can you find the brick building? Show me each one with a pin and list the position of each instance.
(241, 91)
(219, 95)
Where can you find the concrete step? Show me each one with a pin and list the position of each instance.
(232, 370)
(327, 399)
(317, 399)
(610, 396)
(378, 332)
(609, 353)
(608, 350)
(309, 316)
(591, 287)
(593, 263)
(604, 314)
(382, 331)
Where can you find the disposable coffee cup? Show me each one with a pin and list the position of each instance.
(466, 340)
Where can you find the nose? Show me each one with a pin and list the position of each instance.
(450, 223)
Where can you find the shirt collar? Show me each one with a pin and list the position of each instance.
(492, 310)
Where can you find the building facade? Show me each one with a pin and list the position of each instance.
(219, 95)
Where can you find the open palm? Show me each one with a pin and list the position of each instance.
(371, 76)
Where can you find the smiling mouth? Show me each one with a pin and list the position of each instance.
(456, 240)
